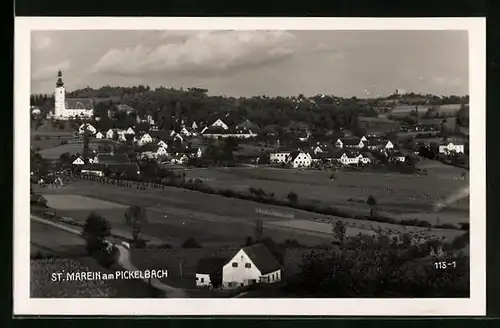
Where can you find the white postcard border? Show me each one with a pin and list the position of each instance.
(475, 305)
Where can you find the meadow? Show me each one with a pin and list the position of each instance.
(72, 148)
(395, 193)
(175, 222)
(48, 240)
(176, 214)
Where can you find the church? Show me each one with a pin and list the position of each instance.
(67, 108)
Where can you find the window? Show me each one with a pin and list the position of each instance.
(248, 265)
(235, 265)
(202, 279)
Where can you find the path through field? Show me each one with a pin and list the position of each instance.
(123, 261)
(170, 292)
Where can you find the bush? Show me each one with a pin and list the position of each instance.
(425, 224)
(191, 243)
(292, 243)
(164, 246)
(445, 226)
(140, 243)
(106, 258)
(227, 193)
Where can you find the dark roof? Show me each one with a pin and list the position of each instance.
(123, 168)
(116, 158)
(191, 150)
(79, 103)
(293, 155)
(149, 147)
(262, 258)
(350, 141)
(210, 265)
(376, 142)
(161, 135)
(215, 130)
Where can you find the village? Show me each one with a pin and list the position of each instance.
(198, 182)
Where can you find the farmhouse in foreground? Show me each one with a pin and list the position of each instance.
(251, 264)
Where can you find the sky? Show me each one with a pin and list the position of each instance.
(257, 62)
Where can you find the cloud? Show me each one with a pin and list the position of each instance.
(206, 51)
(40, 42)
(49, 71)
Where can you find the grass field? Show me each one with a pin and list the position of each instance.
(176, 214)
(393, 192)
(209, 224)
(72, 148)
(49, 240)
(41, 285)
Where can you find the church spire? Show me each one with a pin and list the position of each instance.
(59, 82)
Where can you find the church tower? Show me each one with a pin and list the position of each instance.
(59, 96)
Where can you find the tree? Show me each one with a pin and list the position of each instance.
(135, 216)
(372, 202)
(259, 230)
(95, 231)
(292, 197)
(339, 231)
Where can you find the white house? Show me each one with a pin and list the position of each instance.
(221, 124)
(153, 151)
(279, 156)
(78, 161)
(163, 144)
(99, 135)
(178, 137)
(130, 131)
(299, 159)
(144, 139)
(110, 134)
(396, 156)
(389, 145)
(121, 137)
(451, 148)
(88, 127)
(317, 149)
(350, 143)
(209, 272)
(349, 158)
(250, 265)
(185, 132)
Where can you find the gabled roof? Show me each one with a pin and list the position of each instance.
(262, 258)
(215, 130)
(117, 158)
(210, 265)
(79, 103)
(161, 135)
(350, 141)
